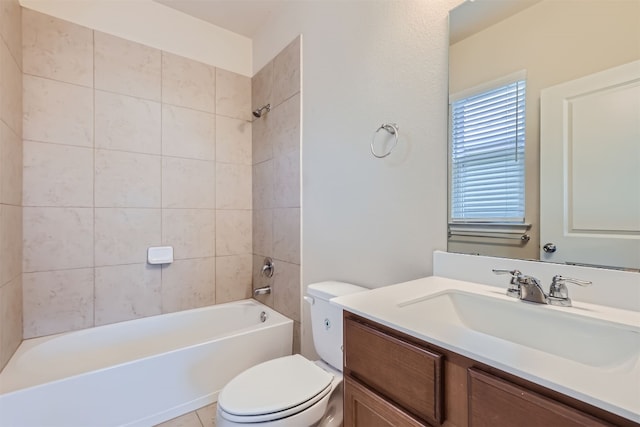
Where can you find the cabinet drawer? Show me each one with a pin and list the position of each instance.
(364, 408)
(495, 402)
(406, 374)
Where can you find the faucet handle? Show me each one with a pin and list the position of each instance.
(558, 292)
(516, 276)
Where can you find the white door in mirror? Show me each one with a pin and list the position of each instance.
(590, 155)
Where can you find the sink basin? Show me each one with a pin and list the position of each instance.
(561, 332)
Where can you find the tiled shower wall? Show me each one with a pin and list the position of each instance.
(10, 179)
(126, 147)
(276, 182)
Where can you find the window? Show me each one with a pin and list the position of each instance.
(487, 154)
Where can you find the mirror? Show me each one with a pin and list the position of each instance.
(554, 41)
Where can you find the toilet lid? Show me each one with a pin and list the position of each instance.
(274, 386)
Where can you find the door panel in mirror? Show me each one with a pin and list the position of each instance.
(590, 155)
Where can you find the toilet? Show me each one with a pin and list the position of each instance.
(293, 391)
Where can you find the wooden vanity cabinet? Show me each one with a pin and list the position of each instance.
(393, 379)
(368, 409)
(402, 372)
(496, 402)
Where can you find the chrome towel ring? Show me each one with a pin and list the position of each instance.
(393, 129)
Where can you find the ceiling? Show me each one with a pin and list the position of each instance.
(243, 17)
(246, 17)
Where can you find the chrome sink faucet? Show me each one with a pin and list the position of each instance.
(528, 288)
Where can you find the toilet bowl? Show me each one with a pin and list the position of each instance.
(293, 391)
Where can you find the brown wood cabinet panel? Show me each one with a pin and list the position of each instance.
(494, 402)
(404, 373)
(364, 408)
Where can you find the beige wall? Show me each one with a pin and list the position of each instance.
(126, 147)
(276, 183)
(10, 179)
(554, 41)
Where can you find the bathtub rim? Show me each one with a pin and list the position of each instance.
(32, 343)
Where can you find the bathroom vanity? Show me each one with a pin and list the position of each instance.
(429, 352)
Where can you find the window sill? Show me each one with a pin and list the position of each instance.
(498, 230)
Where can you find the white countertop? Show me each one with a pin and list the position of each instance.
(613, 388)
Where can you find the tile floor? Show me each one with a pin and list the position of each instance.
(203, 417)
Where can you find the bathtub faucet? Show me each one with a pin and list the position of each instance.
(265, 290)
(267, 268)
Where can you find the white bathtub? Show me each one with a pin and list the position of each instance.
(141, 372)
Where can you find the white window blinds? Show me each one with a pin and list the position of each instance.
(487, 155)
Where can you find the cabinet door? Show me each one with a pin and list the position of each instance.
(404, 373)
(364, 408)
(494, 402)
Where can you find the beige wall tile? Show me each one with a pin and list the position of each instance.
(57, 112)
(286, 187)
(188, 183)
(286, 235)
(279, 131)
(57, 238)
(10, 178)
(188, 284)
(262, 143)
(263, 185)
(233, 277)
(126, 292)
(127, 67)
(297, 341)
(261, 85)
(11, 315)
(11, 90)
(263, 232)
(11, 27)
(191, 232)
(284, 129)
(188, 83)
(57, 301)
(127, 123)
(233, 186)
(286, 72)
(233, 141)
(286, 289)
(233, 232)
(57, 175)
(122, 236)
(233, 95)
(208, 415)
(127, 179)
(259, 280)
(10, 166)
(10, 242)
(187, 420)
(188, 133)
(56, 49)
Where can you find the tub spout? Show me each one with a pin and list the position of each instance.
(265, 290)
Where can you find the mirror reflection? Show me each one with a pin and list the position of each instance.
(557, 44)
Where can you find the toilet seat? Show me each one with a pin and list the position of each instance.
(274, 389)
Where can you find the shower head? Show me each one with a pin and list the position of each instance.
(261, 110)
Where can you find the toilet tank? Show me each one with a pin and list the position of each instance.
(326, 319)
